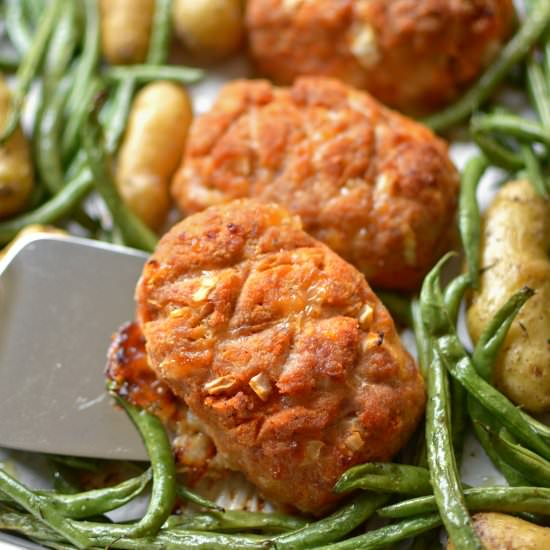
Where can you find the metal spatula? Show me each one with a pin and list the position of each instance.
(61, 298)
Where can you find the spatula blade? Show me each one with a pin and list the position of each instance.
(61, 299)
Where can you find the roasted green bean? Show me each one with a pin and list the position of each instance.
(333, 527)
(161, 32)
(190, 496)
(17, 26)
(441, 459)
(386, 478)
(147, 73)
(42, 510)
(235, 520)
(380, 538)
(163, 495)
(469, 221)
(491, 339)
(513, 500)
(134, 232)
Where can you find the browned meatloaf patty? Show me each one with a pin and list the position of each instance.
(414, 55)
(279, 347)
(376, 187)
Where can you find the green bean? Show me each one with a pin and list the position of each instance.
(538, 427)
(98, 501)
(41, 510)
(534, 171)
(60, 205)
(460, 367)
(147, 73)
(235, 520)
(17, 26)
(459, 418)
(190, 496)
(528, 463)
(29, 67)
(159, 42)
(163, 494)
(387, 478)
(441, 459)
(422, 348)
(454, 293)
(497, 153)
(48, 157)
(398, 305)
(516, 49)
(61, 47)
(73, 126)
(116, 536)
(117, 115)
(380, 538)
(333, 527)
(452, 298)
(481, 421)
(538, 90)
(89, 59)
(511, 125)
(134, 231)
(513, 500)
(490, 342)
(469, 221)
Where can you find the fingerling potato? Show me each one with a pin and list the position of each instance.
(125, 29)
(16, 175)
(500, 531)
(209, 29)
(515, 248)
(152, 148)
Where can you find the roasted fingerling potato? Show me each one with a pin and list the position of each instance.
(16, 174)
(515, 248)
(152, 148)
(503, 532)
(209, 29)
(125, 29)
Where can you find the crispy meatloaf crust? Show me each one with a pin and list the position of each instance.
(376, 187)
(414, 55)
(279, 347)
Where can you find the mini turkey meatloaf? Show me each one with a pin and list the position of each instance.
(279, 347)
(414, 55)
(376, 187)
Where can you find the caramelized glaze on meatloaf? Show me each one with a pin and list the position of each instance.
(376, 187)
(414, 55)
(279, 347)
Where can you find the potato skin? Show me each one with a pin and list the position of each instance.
(16, 173)
(376, 187)
(152, 148)
(414, 55)
(125, 29)
(515, 246)
(501, 531)
(210, 29)
(279, 347)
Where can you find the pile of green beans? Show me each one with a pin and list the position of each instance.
(57, 45)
